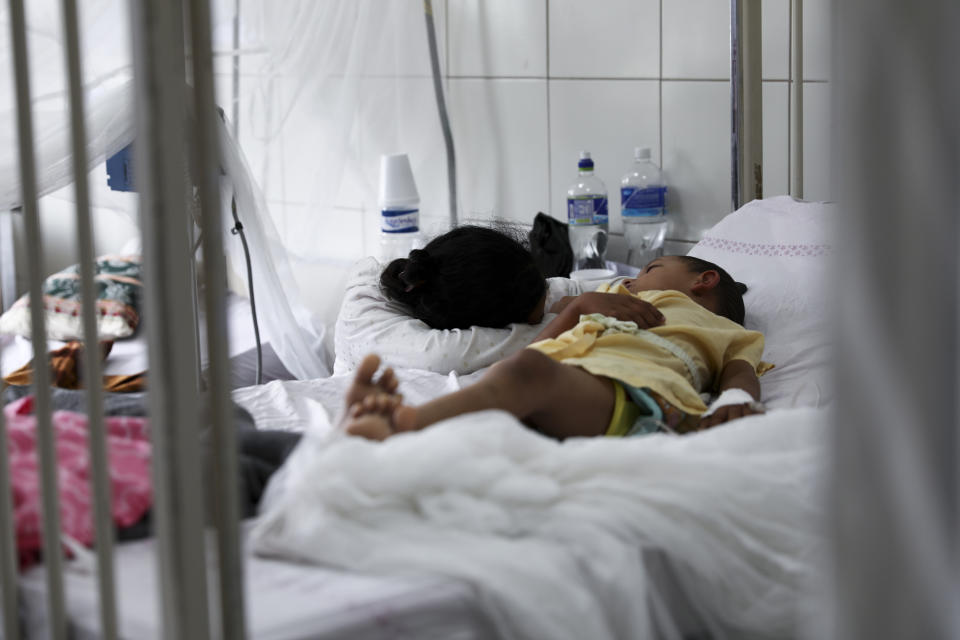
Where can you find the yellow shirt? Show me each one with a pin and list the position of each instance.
(693, 345)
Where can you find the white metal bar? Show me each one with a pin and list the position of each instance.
(99, 461)
(206, 161)
(160, 148)
(796, 98)
(8, 550)
(46, 441)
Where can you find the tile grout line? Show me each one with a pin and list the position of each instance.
(549, 131)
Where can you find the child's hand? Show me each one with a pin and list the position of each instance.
(621, 307)
(731, 412)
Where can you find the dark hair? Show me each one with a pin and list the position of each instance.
(728, 292)
(470, 276)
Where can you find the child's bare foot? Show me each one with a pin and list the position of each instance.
(379, 416)
(371, 418)
(369, 402)
(364, 385)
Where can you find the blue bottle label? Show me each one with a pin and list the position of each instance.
(649, 201)
(587, 210)
(400, 220)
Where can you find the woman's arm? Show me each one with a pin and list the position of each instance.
(614, 305)
(737, 374)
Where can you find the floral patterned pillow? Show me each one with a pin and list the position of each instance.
(119, 292)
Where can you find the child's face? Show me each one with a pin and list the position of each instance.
(668, 272)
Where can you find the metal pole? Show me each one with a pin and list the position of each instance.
(161, 102)
(207, 156)
(796, 99)
(442, 108)
(746, 82)
(99, 462)
(736, 98)
(52, 555)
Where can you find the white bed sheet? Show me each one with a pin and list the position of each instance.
(412, 595)
(733, 511)
(285, 601)
(549, 532)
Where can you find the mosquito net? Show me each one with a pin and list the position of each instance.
(319, 90)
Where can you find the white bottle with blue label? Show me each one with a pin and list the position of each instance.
(643, 208)
(587, 217)
(399, 208)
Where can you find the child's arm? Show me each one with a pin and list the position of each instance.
(621, 307)
(737, 374)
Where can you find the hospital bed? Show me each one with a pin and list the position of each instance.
(423, 584)
(295, 589)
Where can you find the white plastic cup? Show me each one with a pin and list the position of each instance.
(397, 188)
(399, 208)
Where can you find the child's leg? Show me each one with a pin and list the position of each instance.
(556, 399)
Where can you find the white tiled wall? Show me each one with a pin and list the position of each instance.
(531, 84)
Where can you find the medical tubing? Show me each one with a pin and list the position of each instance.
(442, 108)
(238, 230)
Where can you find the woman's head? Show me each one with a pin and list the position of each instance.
(470, 276)
(706, 283)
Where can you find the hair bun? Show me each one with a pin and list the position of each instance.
(419, 269)
(741, 288)
(420, 258)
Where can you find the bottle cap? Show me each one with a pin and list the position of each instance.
(641, 153)
(397, 188)
(585, 161)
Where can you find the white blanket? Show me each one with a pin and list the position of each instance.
(550, 533)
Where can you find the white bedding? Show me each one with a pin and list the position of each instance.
(284, 602)
(550, 533)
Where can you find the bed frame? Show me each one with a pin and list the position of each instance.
(163, 98)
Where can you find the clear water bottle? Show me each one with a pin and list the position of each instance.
(643, 209)
(399, 232)
(587, 217)
(399, 208)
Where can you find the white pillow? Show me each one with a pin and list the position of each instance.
(780, 248)
(369, 323)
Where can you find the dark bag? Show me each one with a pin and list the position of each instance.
(550, 246)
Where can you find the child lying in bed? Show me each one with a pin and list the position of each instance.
(628, 361)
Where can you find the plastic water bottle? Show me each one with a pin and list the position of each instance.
(643, 209)
(587, 217)
(399, 208)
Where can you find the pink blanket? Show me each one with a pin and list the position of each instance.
(128, 446)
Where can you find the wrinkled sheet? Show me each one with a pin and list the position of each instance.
(550, 533)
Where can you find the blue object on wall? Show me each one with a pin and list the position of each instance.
(120, 170)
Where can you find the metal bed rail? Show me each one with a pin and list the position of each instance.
(176, 130)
